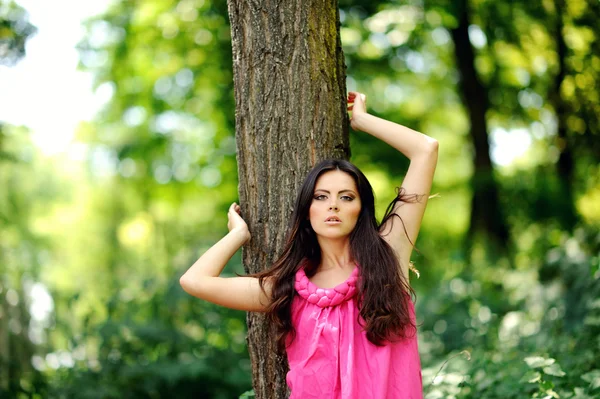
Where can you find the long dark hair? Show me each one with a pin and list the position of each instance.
(383, 292)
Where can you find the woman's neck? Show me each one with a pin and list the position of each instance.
(335, 254)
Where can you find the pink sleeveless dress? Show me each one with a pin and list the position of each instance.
(331, 357)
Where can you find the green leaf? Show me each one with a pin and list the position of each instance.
(580, 394)
(535, 362)
(555, 370)
(531, 377)
(593, 377)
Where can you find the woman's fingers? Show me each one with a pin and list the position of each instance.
(357, 102)
(235, 220)
(235, 208)
(355, 97)
(351, 98)
(234, 214)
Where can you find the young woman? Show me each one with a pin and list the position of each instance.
(340, 292)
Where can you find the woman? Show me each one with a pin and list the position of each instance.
(340, 292)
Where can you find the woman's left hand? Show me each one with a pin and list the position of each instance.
(235, 221)
(357, 103)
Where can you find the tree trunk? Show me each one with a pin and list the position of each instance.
(290, 94)
(486, 212)
(566, 164)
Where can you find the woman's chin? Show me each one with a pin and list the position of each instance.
(333, 235)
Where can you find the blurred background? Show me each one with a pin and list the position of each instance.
(117, 165)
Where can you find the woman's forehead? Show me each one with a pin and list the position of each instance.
(337, 180)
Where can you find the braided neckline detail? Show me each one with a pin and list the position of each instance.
(326, 297)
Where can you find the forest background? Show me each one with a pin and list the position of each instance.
(508, 298)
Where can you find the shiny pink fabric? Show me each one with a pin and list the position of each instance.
(331, 357)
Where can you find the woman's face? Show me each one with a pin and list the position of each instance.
(335, 206)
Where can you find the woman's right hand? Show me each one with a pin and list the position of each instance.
(357, 104)
(235, 222)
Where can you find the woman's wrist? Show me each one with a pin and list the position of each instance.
(240, 234)
(358, 121)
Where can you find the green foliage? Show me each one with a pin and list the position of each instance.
(26, 185)
(543, 345)
(141, 357)
(108, 238)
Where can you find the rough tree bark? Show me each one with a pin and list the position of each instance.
(289, 80)
(486, 212)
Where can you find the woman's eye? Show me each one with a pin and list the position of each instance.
(347, 198)
(319, 197)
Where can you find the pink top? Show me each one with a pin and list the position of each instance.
(331, 357)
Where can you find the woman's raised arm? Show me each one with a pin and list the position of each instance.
(422, 151)
(202, 278)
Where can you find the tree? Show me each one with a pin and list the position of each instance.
(16, 346)
(27, 185)
(289, 82)
(486, 213)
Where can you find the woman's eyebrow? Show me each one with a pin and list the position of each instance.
(339, 192)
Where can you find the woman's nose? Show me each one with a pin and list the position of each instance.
(333, 207)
